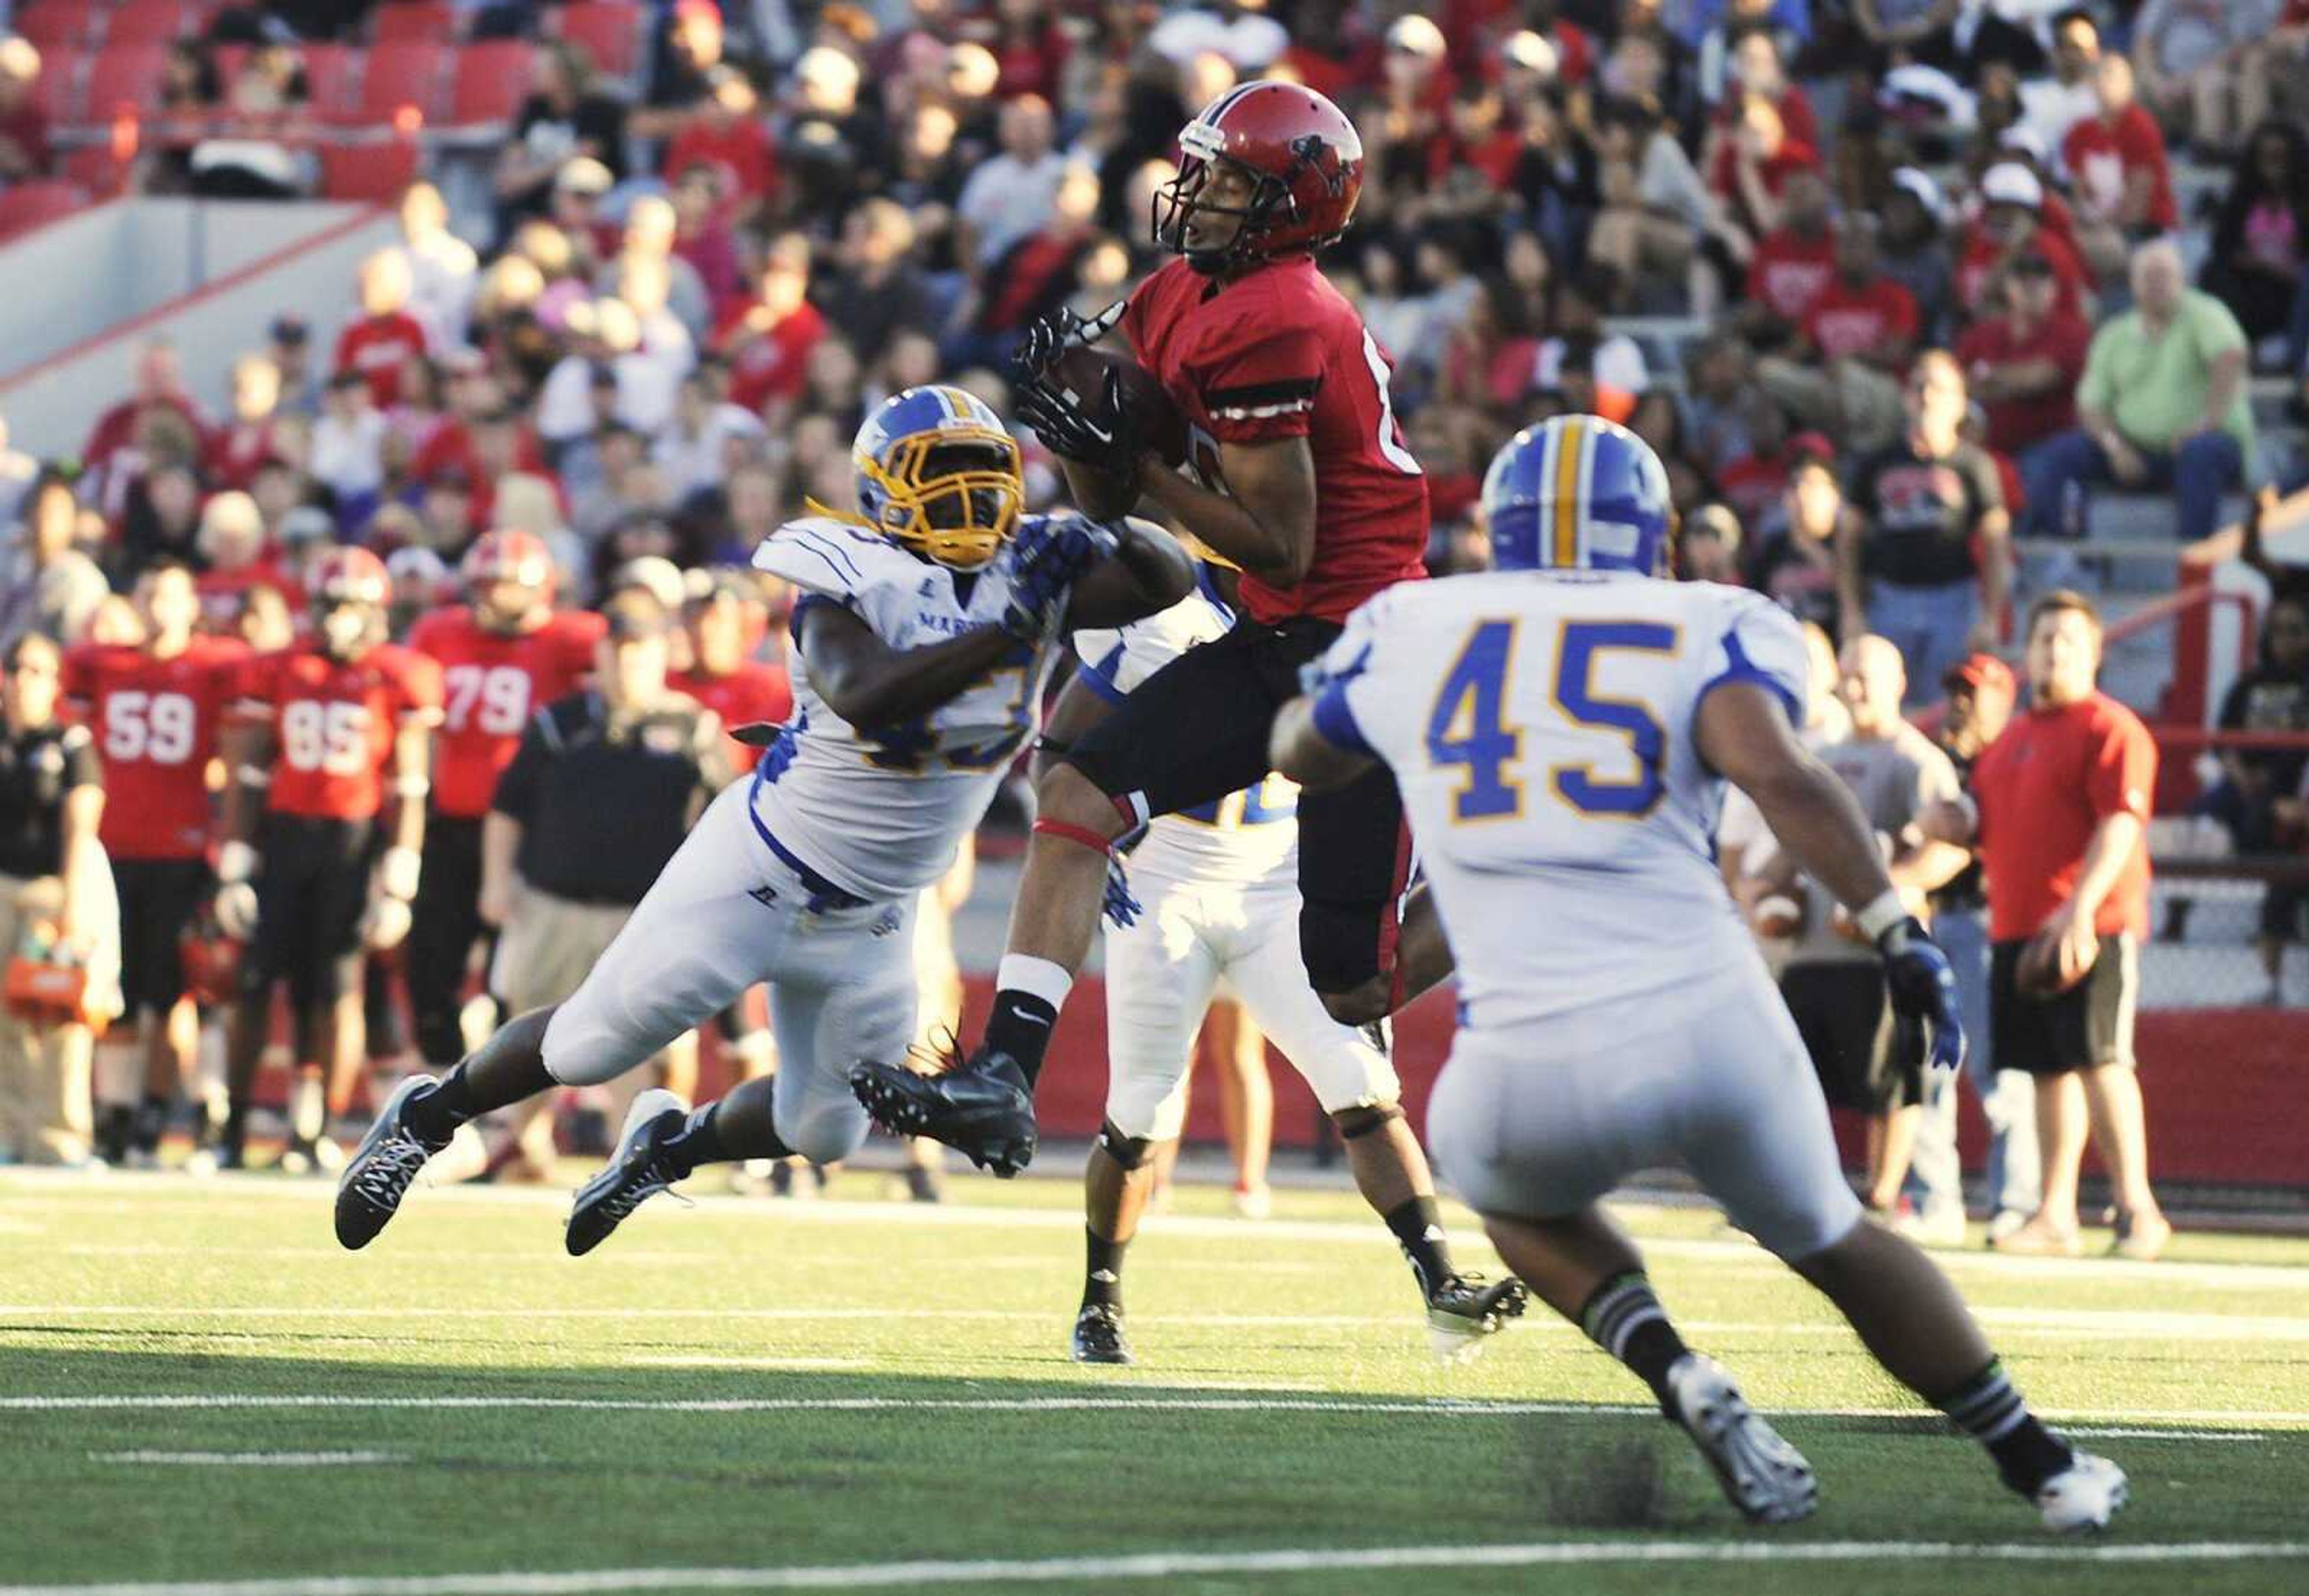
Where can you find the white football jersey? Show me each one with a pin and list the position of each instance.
(1539, 726)
(1249, 838)
(879, 812)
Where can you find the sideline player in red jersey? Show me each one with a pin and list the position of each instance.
(1299, 475)
(155, 708)
(322, 736)
(504, 656)
(723, 622)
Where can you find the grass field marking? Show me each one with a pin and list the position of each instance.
(1154, 1400)
(691, 1360)
(1177, 1564)
(252, 1460)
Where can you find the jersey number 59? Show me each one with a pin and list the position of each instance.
(1469, 727)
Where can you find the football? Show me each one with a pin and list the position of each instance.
(2043, 972)
(1081, 375)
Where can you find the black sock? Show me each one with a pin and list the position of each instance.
(1994, 1414)
(1626, 1320)
(1418, 1227)
(151, 1123)
(696, 1142)
(1102, 1270)
(113, 1123)
(1020, 1025)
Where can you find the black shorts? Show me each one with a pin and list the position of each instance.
(312, 890)
(1866, 1061)
(1196, 730)
(159, 898)
(2087, 1026)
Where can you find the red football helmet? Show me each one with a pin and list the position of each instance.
(349, 575)
(1306, 159)
(210, 959)
(507, 555)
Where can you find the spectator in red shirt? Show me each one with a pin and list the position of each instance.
(1792, 265)
(1852, 347)
(1754, 66)
(238, 449)
(2122, 181)
(725, 131)
(113, 453)
(1030, 48)
(2024, 365)
(381, 342)
(2059, 813)
(1754, 165)
(702, 239)
(23, 125)
(2012, 223)
(768, 339)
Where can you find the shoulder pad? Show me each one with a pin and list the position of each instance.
(835, 557)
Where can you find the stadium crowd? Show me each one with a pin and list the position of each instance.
(1915, 260)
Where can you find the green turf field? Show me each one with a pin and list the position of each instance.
(198, 1389)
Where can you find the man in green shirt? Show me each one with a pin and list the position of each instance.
(2161, 407)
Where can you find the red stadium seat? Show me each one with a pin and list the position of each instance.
(149, 22)
(92, 167)
(30, 204)
(376, 170)
(491, 80)
(610, 29)
(408, 72)
(57, 91)
(125, 74)
(420, 20)
(331, 73)
(56, 26)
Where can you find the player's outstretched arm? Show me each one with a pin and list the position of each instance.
(869, 683)
(1146, 574)
(1265, 521)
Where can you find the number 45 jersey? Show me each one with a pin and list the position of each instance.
(1539, 726)
(879, 811)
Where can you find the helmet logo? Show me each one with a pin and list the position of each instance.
(1310, 148)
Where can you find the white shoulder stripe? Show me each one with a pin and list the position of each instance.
(1259, 413)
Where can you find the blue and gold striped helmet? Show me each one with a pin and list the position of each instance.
(939, 473)
(1578, 493)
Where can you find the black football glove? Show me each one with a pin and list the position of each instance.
(1099, 432)
(1922, 987)
(1049, 555)
(1049, 336)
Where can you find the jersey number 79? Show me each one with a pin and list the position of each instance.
(1469, 725)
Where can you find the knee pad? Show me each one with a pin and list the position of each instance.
(1128, 1153)
(1355, 1124)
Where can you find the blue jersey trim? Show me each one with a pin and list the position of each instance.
(1740, 668)
(1337, 722)
(1099, 675)
(831, 552)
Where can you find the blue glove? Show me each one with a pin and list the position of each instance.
(1122, 910)
(1047, 558)
(1922, 988)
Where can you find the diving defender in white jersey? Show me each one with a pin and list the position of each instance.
(1213, 896)
(924, 637)
(1561, 730)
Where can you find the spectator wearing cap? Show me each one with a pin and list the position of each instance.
(289, 347)
(2161, 407)
(2022, 366)
(442, 267)
(1852, 347)
(768, 339)
(47, 586)
(1708, 548)
(605, 785)
(1912, 247)
(235, 449)
(2058, 813)
(24, 150)
(383, 338)
(1925, 558)
(565, 115)
(1980, 694)
(2012, 224)
(2116, 161)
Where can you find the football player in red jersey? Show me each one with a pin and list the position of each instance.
(1299, 475)
(323, 818)
(504, 655)
(723, 624)
(155, 709)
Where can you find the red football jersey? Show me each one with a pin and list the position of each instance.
(1280, 353)
(334, 723)
(491, 685)
(155, 724)
(753, 693)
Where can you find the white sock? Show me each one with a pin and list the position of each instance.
(1036, 977)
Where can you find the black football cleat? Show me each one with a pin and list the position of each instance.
(982, 1108)
(370, 1190)
(1098, 1335)
(1466, 1308)
(638, 1171)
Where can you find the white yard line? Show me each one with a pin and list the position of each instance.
(1155, 1400)
(1181, 1564)
(697, 1361)
(251, 1460)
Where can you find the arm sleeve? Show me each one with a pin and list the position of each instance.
(2122, 776)
(516, 794)
(1347, 706)
(1261, 386)
(1762, 645)
(2214, 326)
(82, 767)
(1936, 781)
(421, 689)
